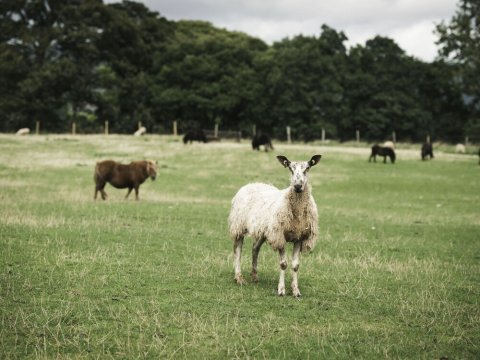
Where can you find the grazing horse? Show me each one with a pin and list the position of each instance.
(382, 151)
(427, 150)
(194, 135)
(261, 139)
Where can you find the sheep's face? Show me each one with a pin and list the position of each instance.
(299, 170)
(151, 169)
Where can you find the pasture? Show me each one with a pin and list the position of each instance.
(395, 273)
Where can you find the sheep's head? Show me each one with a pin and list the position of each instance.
(151, 169)
(299, 170)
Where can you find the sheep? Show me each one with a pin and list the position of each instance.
(460, 148)
(427, 150)
(141, 130)
(389, 144)
(276, 216)
(262, 139)
(23, 131)
(122, 176)
(382, 151)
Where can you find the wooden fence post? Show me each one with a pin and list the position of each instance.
(215, 131)
(175, 128)
(357, 134)
(139, 125)
(394, 137)
(323, 135)
(74, 128)
(428, 138)
(254, 130)
(106, 127)
(289, 138)
(37, 127)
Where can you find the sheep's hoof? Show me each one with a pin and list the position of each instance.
(296, 294)
(240, 280)
(295, 291)
(281, 291)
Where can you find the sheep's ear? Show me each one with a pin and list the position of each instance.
(283, 160)
(314, 160)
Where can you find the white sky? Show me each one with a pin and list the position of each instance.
(410, 23)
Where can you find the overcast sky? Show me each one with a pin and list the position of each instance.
(409, 22)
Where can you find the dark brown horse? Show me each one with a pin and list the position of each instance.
(262, 139)
(427, 150)
(382, 151)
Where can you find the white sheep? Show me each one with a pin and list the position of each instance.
(23, 131)
(389, 144)
(141, 130)
(460, 148)
(276, 216)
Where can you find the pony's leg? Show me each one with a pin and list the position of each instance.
(128, 193)
(385, 159)
(295, 265)
(237, 254)
(99, 187)
(283, 266)
(255, 250)
(136, 192)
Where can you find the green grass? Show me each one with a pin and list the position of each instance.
(395, 272)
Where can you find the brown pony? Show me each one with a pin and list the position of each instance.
(122, 176)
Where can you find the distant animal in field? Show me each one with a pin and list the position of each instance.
(460, 148)
(23, 131)
(262, 139)
(141, 130)
(389, 144)
(194, 135)
(123, 176)
(382, 151)
(277, 217)
(427, 151)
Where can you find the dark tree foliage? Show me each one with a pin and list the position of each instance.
(459, 43)
(88, 62)
(206, 76)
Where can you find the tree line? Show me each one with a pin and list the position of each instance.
(64, 61)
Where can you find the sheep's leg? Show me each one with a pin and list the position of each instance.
(237, 254)
(283, 266)
(295, 265)
(128, 193)
(255, 250)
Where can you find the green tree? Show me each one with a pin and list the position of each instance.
(459, 44)
(206, 76)
(383, 93)
(305, 84)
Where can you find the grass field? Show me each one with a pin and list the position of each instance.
(395, 273)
